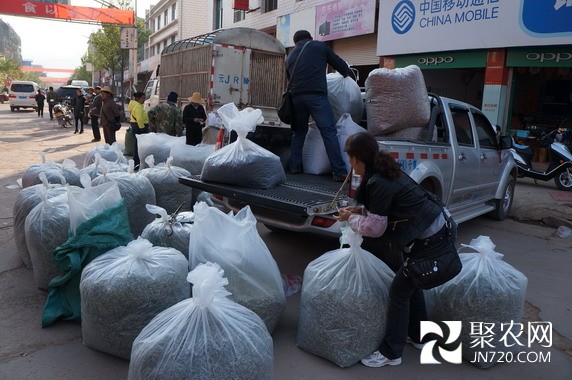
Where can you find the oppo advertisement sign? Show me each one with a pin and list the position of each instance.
(409, 26)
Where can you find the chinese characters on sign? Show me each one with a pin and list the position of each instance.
(128, 38)
(344, 18)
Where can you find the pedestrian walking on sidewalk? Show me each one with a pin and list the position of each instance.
(109, 113)
(139, 122)
(52, 99)
(40, 98)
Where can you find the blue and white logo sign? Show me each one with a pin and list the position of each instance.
(547, 16)
(403, 17)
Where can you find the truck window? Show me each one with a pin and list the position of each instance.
(462, 125)
(485, 131)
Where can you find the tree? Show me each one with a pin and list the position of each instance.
(80, 72)
(9, 70)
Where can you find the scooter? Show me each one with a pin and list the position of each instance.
(63, 114)
(559, 168)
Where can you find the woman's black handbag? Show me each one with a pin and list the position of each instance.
(116, 124)
(427, 273)
(286, 109)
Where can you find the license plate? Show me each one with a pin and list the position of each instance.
(22, 97)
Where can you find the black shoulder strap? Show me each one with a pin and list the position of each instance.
(295, 64)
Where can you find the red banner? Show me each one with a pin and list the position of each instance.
(241, 4)
(66, 12)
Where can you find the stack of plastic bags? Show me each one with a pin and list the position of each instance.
(157, 144)
(344, 303)
(111, 153)
(233, 242)
(344, 96)
(207, 336)
(243, 162)
(124, 289)
(53, 172)
(487, 291)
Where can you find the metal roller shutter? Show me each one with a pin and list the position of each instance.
(358, 51)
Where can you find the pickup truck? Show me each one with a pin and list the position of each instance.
(460, 160)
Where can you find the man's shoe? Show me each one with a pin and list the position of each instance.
(418, 346)
(339, 178)
(80, 132)
(95, 140)
(376, 360)
(75, 132)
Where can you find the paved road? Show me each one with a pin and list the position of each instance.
(29, 352)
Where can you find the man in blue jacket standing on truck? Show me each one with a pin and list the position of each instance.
(309, 92)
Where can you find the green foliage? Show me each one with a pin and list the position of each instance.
(9, 70)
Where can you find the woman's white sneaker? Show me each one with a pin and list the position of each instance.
(376, 359)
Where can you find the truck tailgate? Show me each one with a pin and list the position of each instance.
(303, 194)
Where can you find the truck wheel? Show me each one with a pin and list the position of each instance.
(12, 109)
(504, 204)
(563, 180)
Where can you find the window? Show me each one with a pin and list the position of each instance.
(217, 22)
(487, 136)
(462, 126)
(269, 5)
(158, 22)
(239, 15)
(174, 11)
(173, 39)
(165, 17)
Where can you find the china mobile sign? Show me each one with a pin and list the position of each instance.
(488, 342)
(409, 26)
(66, 12)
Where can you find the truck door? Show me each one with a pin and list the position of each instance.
(231, 75)
(488, 155)
(467, 162)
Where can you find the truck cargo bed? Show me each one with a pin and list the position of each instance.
(303, 194)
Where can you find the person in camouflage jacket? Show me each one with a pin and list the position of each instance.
(167, 117)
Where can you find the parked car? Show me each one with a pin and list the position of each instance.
(22, 94)
(68, 92)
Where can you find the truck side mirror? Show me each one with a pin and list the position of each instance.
(505, 142)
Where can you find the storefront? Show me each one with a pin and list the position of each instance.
(541, 88)
(454, 74)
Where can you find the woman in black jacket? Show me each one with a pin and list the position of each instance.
(399, 213)
(78, 109)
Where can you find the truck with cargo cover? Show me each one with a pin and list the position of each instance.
(460, 160)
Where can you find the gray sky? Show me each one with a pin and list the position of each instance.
(58, 44)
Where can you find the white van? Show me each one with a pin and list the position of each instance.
(22, 94)
(151, 93)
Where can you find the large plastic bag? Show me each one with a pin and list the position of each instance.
(344, 303)
(96, 168)
(124, 289)
(157, 144)
(27, 199)
(46, 227)
(169, 193)
(243, 163)
(111, 153)
(191, 157)
(168, 230)
(137, 191)
(206, 337)
(344, 95)
(347, 127)
(487, 290)
(233, 242)
(396, 99)
(87, 202)
(314, 156)
(53, 172)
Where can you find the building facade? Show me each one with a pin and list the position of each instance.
(10, 43)
(498, 55)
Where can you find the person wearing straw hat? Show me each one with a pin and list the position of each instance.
(109, 113)
(194, 117)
